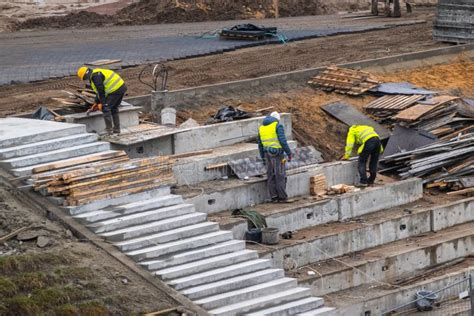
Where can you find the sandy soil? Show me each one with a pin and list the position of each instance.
(95, 283)
(241, 64)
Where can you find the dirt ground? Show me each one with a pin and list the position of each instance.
(240, 64)
(65, 276)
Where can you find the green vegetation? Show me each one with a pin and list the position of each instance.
(47, 284)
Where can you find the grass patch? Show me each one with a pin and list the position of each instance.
(7, 288)
(93, 309)
(30, 281)
(66, 310)
(21, 305)
(31, 262)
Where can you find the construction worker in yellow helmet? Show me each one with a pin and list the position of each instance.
(370, 146)
(110, 89)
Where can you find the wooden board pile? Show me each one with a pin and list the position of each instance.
(389, 105)
(79, 96)
(105, 179)
(444, 163)
(344, 81)
(318, 185)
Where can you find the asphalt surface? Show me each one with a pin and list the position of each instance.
(39, 55)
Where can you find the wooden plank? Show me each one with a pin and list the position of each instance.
(414, 113)
(465, 191)
(9, 236)
(192, 153)
(216, 166)
(79, 160)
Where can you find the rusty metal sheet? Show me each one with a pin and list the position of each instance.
(252, 167)
(349, 115)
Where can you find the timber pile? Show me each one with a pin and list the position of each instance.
(105, 179)
(444, 164)
(79, 97)
(344, 81)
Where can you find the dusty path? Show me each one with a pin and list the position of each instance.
(247, 63)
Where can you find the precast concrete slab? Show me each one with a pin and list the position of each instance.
(234, 194)
(224, 134)
(393, 261)
(20, 131)
(454, 213)
(308, 212)
(378, 299)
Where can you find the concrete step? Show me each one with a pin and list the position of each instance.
(117, 201)
(322, 311)
(55, 155)
(292, 308)
(194, 255)
(115, 211)
(261, 302)
(24, 171)
(168, 236)
(232, 284)
(206, 264)
(18, 131)
(392, 261)
(220, 274)
(180, 245)
(378, 299)
(154, 227)
(247, 293)
(47, 145)
(141, 218)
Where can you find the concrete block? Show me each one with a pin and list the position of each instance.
(374, 199)
(455, 213)
(194, 255)
(180, 245)
(220, 274)
(262, 302)
(141, 218)
(54, 155)
(232, 284)
(94, 121)
(20, 131)
(167, 236)
(154, 227)
(206, 264)
(311, 305)
(115, 211)
(47, 145)
(125, 199)
(247, 293)
(308, 215)
(223, 134)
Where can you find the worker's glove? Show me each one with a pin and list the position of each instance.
(95, 107)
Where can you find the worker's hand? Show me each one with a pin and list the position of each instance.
(290, 157)
(344, 158)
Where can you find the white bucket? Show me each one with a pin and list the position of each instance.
(168, 116)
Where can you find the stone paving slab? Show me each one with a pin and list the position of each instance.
(47, 60)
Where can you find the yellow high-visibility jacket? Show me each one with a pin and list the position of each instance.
(112, 81)
(359, 134)
(269, 137)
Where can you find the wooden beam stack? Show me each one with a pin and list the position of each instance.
(105, 179)
(318, 185)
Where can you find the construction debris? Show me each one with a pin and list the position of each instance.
(389, 105)
(227, 114)
(405, 88)
(342, 188)
(105, 180)
(441, 164)
(247, 32)
(344, 81)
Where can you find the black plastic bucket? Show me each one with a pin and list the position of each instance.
(255, 235)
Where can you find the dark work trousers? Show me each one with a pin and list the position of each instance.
(372, 149)
(113, 101)
(276, 176)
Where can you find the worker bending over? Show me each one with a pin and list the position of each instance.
(272, 145)
(369, 145)
(110, 89)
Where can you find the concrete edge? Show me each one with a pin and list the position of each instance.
(43, 206)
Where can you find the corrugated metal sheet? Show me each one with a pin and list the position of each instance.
(454, 21)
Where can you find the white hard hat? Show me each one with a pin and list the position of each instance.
(275, 115)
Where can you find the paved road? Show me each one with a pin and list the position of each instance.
(40, 55)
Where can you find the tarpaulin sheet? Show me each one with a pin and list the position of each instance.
(400, 88)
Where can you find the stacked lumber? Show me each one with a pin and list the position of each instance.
(444, 164)
(318, 185)
(389, 105)
(77, 96)
(105, 179)
(344, 81)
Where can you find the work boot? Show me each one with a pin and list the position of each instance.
(116, 119)
(108, 124)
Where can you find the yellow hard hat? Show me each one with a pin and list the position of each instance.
(81, 72)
